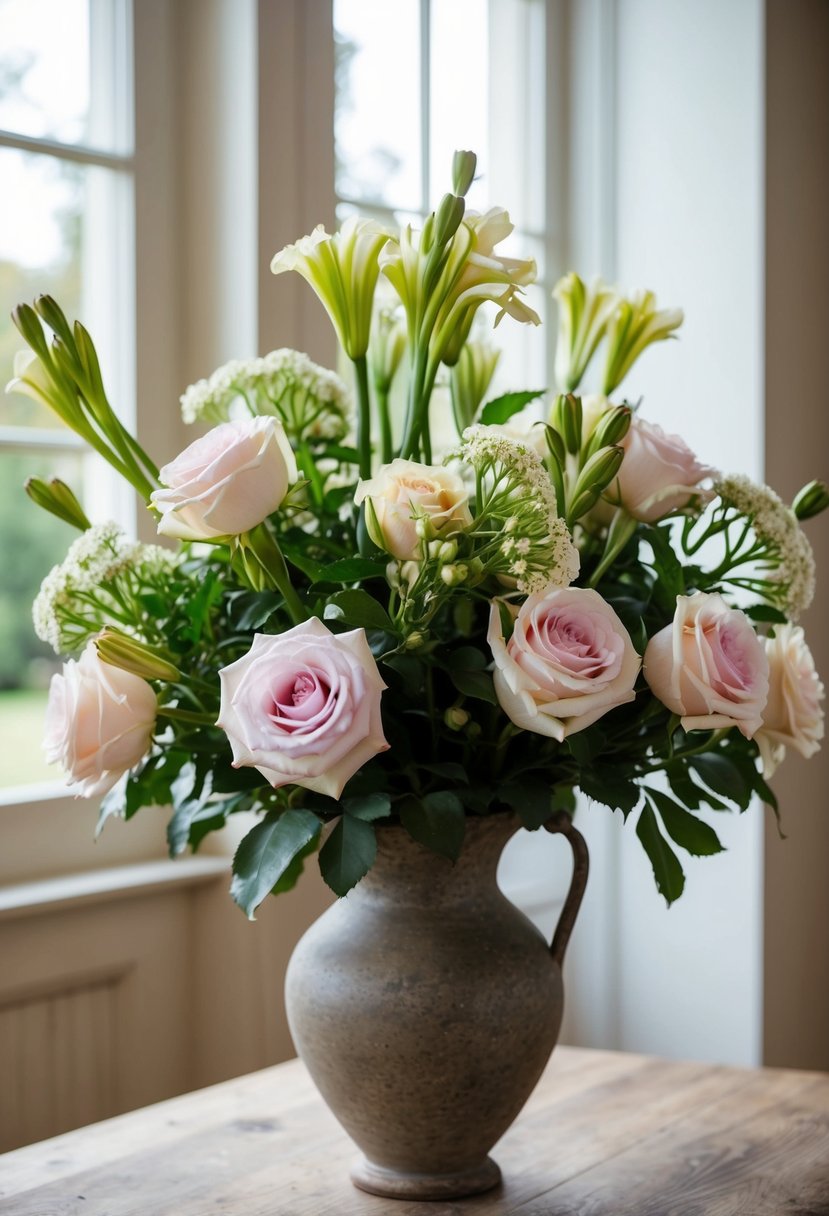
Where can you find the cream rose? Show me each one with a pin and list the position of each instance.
(99, 722)
(569, 661)
(303, 707)
(659, 473)
(227, 482)
(709, 666)
(793, 716)
(404, 491)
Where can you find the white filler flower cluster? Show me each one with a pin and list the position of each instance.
(312, 402)
(529, 541)
(784, 544)
(95, 560)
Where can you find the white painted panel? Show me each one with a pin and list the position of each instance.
(689, 226)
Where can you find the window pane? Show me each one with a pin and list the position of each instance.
(31, 542)
(460, 95)
(58, 223)
(59, 66)
(377, 115)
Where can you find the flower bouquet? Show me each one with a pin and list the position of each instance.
(364, 638)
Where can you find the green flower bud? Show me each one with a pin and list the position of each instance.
(449, 575)
(129, 654)
(414, 641)
(58, 499)
(448, 551)
(567, 419)
(456, 718)
(448, 218)
(463, 171)
(811, 500)
(599, 470)
(610, 429)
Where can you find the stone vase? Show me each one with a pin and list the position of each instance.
(425, 1006)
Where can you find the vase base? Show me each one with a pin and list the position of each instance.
(396, 1184)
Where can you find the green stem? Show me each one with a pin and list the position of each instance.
(387, 449)
(185, 715)
(262, 544)
(363, 416)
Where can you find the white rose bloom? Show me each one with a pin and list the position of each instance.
(402, 492)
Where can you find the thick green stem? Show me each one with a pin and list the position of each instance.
(363, 416)
(382, 397)
(262, 544)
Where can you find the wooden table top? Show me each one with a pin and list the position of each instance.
(604, 1134)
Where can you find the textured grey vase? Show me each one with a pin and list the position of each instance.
(425, 1006)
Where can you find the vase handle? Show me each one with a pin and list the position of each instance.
(562, 822)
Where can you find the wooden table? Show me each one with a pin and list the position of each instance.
(605, 1134)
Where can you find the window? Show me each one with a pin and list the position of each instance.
(400, 116)
(65, 229)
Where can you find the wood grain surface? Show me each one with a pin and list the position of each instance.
(604, 1134)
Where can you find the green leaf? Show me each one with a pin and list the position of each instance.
(477, 684)
(467, 658)
(669, 571)
(684, 828)
(436, 821)
(350, 570)
(266, 852)
(531, 797)
(292, 872)
(670, 881)
(358, 608)
(259, 606)
(501, 409)
(348, 853)
(585, 745)
(723, 776)
(198, 606)
(603, 784)
(368, 807)
(408, 670)
(765, 612)
(449, 769)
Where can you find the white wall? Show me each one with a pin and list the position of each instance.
(687, 184)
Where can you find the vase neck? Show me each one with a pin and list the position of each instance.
(409, 873)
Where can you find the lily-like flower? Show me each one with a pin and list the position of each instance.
(31, 378)
(636, 323)
(584, 313)
(342, 268)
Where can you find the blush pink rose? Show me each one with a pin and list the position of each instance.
(99, 722)
(793, 716)
(303, 707)
(709, 666)
(659, 473)
(569, 661)
(403, 491)
(227, 482)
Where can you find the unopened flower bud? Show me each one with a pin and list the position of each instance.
(599, 470)
(567, 420)
(129, 654)
(463, 170)
(456, 718)
(448, 551)
(448, 575)
(56, 497)
(434, 549)
(414, 640)
(811, 500)
(448, 218)
(393, 575)
(409, 572)
(610, 430)
(423, 527)
(555, 444)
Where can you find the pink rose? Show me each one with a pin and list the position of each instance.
(227, 482)
(709, 666)
(569, 660)
(659, 473)
(403, 491)
(793, 716)
(99, 722)
(303, 707)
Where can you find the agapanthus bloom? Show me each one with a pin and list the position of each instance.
(584, 313)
